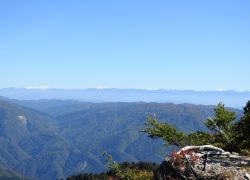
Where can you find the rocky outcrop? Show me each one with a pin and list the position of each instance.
(203, 162)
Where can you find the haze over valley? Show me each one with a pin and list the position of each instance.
(58, 138)
(231, 98)
(80, 78)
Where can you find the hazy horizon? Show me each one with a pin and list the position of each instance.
(128, 88)
(228, 97)
(83, 77)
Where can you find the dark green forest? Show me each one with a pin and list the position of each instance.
(61, 138)
(224, 131)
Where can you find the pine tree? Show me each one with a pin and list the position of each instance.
(242, 131)
(225, 132)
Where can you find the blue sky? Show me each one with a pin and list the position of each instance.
(201, 45)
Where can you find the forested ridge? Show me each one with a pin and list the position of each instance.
(61, 138)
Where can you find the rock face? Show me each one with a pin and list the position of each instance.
(23, 120)
(203, 162)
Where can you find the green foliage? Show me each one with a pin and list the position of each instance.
(221, 127)
(242, 131)
(222, 120)
(139, 170)
(55, 145)
(225, 131)
(127, 171)
(112, 165)
(169, 134)
(115, 127)
(199, 138)
(89, 176)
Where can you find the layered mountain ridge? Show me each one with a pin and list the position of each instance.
(229, 97)
(58, 138)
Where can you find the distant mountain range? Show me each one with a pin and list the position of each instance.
(230, 98)
(52, 133)
(49, 139)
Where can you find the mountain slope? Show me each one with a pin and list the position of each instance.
(29, 142)
(72, 138)
(115, 127)
(6, 174)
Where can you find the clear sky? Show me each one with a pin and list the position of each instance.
(201, 45)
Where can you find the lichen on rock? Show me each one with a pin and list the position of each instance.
(203, 162)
